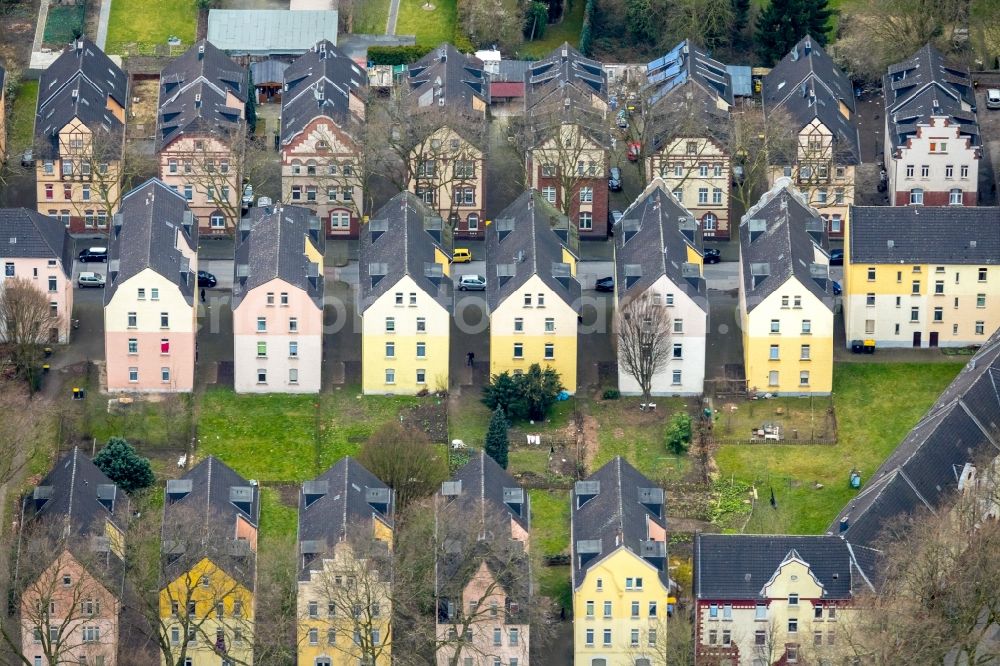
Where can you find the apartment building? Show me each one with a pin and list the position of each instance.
(922, 277)
(567, 141)
(483, 578)
(449, 91)
(785, 296)
(71, 565)
(532, 291)
(809, 91)
(346, 522)
(150, 300)
(322, 111)
(689, 96)
(79, 138)
(405, 299)
(622, 592)
(658, 257)
(40, 250)
(278, 291)
(209, 565)
(932, 142)
(201, 134)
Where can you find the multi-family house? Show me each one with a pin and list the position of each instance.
(448, 90)
(201, 133)
(150, 301)
(483, 578)
(621, 585)
(657, 257)
(922, 277)
(808, 92)
(532, 291)
(689, 95)
(322, 109)
(785, 296)
(71, 565)
(932, 141)
(406, 296)
(40, 250)
(79, 137)
(346, 522)
(277, 303)
(209, 565)
(767, 599)
(567, 139)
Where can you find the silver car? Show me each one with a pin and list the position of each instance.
(87, 279)
(472, 283)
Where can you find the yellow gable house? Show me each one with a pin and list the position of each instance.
(405, 296)
(621, 588)
(209, 549)
(785, 296)
(532, 290)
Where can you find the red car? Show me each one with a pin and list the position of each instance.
(634, 149)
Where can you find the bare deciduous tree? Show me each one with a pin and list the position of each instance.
(405, 460)
(26, 323)
(643, 335)
(756, 143)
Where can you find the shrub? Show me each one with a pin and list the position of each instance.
(678, 434)
(612, 394)
(526, 396)
(397, 55)
(120, 462)
(497, 442)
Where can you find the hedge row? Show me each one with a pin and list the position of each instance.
(397, 55)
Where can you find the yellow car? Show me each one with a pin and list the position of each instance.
(461, 256)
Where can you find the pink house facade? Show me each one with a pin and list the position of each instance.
(150, 304)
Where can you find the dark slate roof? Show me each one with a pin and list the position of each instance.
(808, 85)
(78, 85)
(686, 63)
(925, 85)
(534, 236)
(403, 245)
(343, 502)
(146, 230)
(447, 74)
(268, 71)
(193, 90)
(207, 493)
(512, 70)
(650, 236)
(963, 426)
(272, 244)
(561, 88)
(320, 83)
(738, 566)
(786, 247)
(925, 235)
(27, 234)
(615, 516)
(483, 484)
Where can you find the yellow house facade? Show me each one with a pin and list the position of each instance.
(785, 296)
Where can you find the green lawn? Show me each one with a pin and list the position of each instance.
(372, 18)
(151, 22)
(430, 27)
(469, 418)
(554, 583)
(277, 520)
(22, 116)
(876, 405)
(349, 419)
(64, 23)
(637, 436)
(567, 30)
(550, 520)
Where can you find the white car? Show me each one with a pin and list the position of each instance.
(993, 98)
(472, 283)
(87, 279)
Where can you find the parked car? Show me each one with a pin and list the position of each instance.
(472, 283)
(28, 158)
(837, 289)
(836, 257)
(605, 284)
(712, 256)
(461, 255)
(993, 98)
(739, 174)
(93, 254)
(206, 279)
(247, 195)
(622, 119)
(615, 180)
(88, 279)
(263, 202)
(634, 151)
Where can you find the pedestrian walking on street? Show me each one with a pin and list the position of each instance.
(470, 359)
(202, 295)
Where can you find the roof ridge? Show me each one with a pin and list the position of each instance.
(72, 489)
(621, 504)
(343, 499)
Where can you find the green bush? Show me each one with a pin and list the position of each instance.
(525, 396)
(678, 435)
(497, 442)
(397, 55)
(612, 394)
(120, 462)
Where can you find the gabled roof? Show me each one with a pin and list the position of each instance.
(738, 566)
(320, 83)
(925, 235)
(686, 63)
(147, 232)
(270, 31)
(447, 77)
(79, 85)
(193, 92)
(27, 234)
(271, 243)
(528, 238)
(925, 85)
(808, 85)
(652, 240)
(963, 426)
(612, 509)
(343, 502)
(481, 485)
(400, 239)
(561, 89)
(779, 238)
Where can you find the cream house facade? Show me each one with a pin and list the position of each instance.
(448, 173)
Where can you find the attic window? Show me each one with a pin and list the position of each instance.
(633, 272)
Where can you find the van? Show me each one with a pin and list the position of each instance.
(461, 256)
(93, 254)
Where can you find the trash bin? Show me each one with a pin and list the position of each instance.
(857, 346)
(869, 346)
